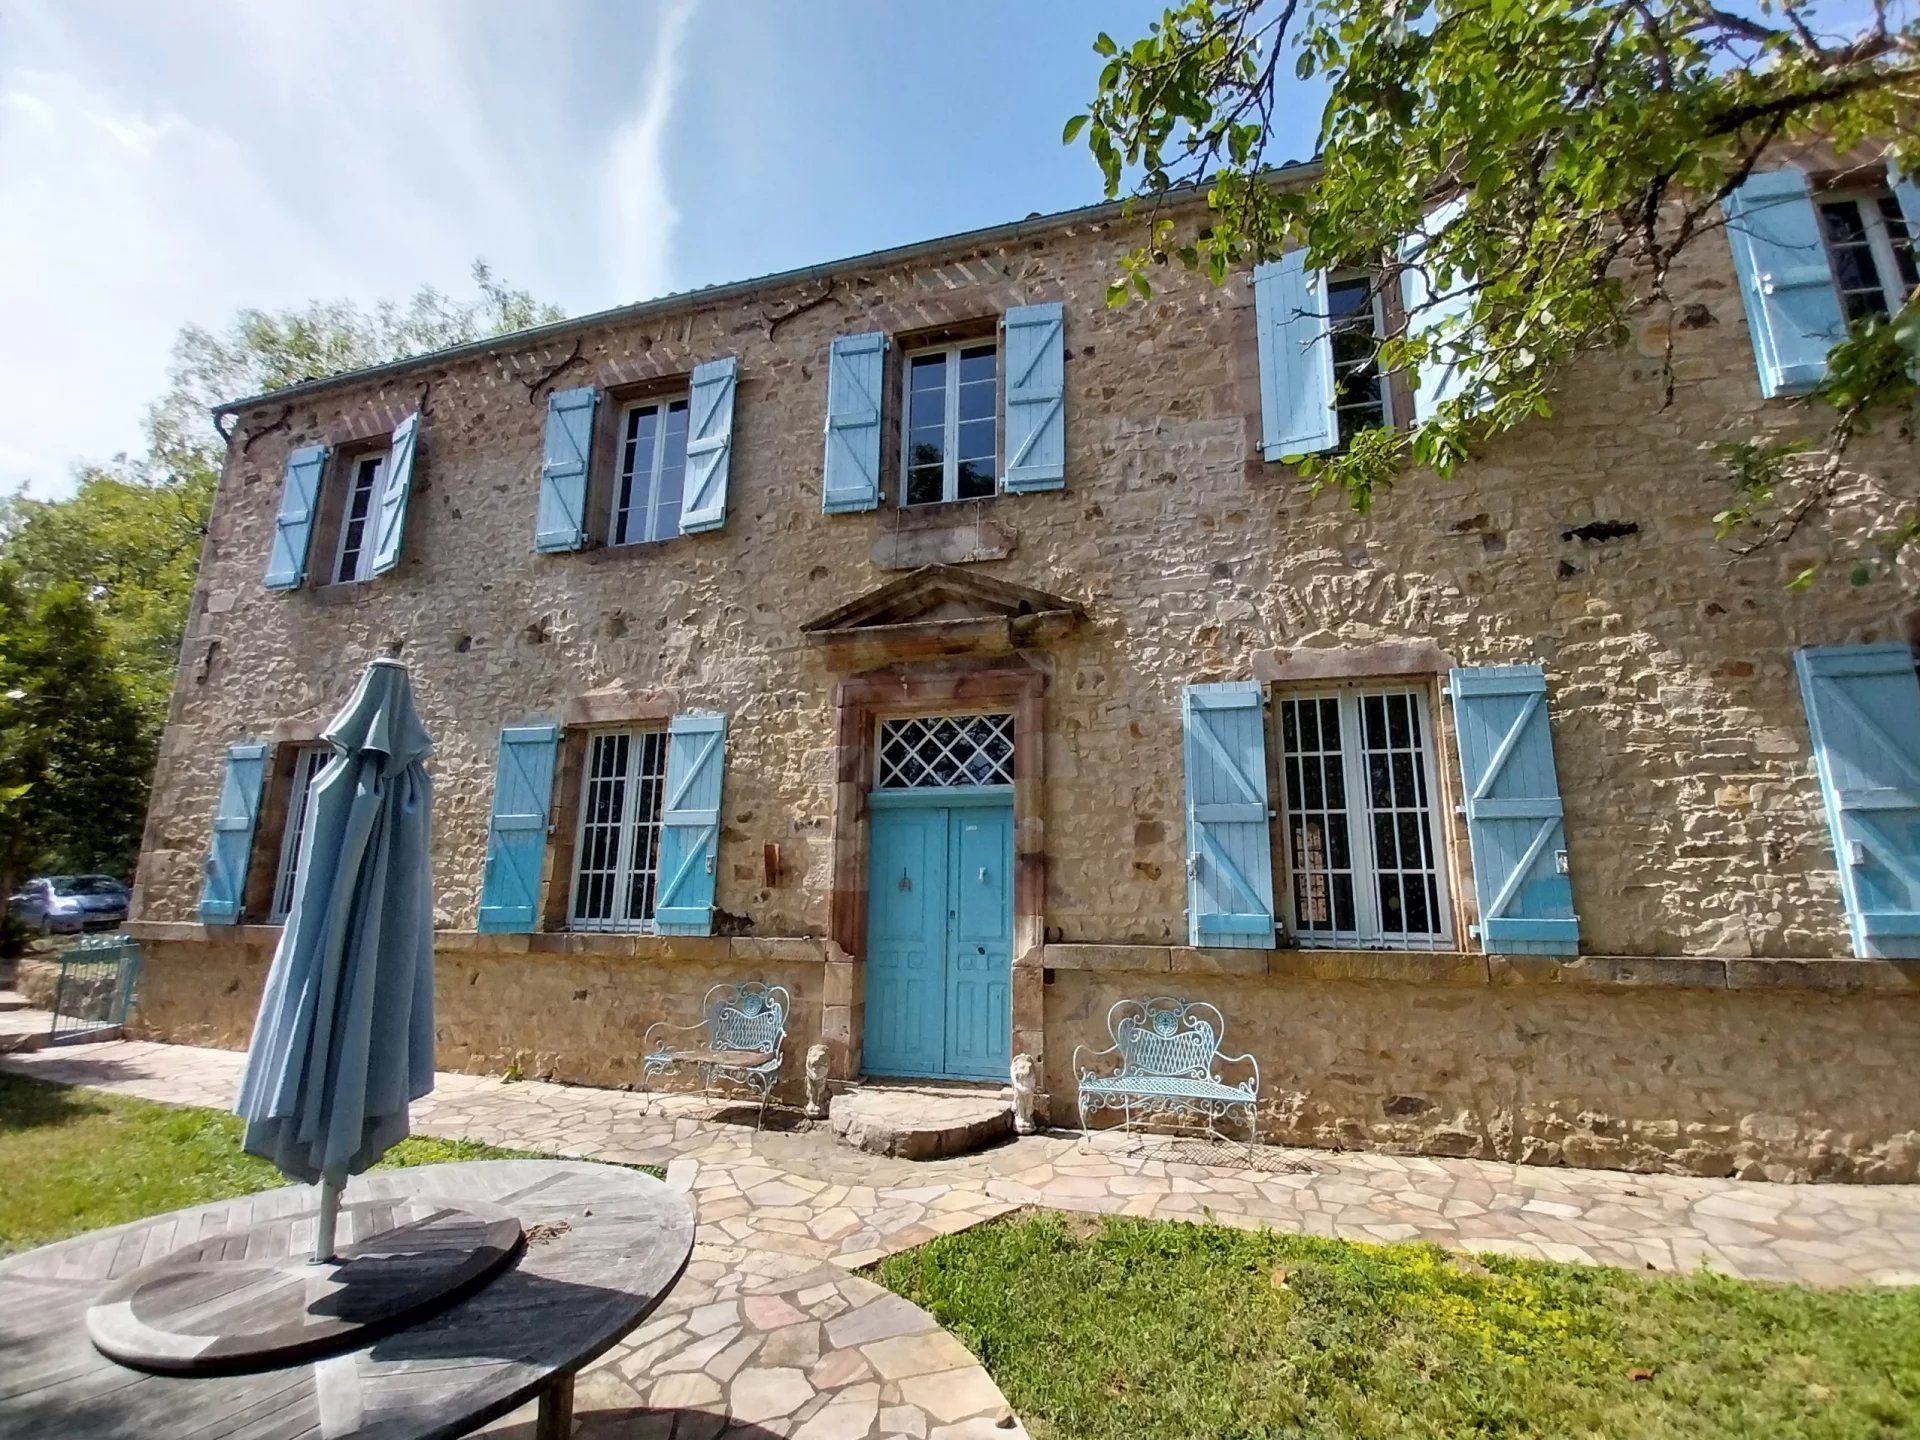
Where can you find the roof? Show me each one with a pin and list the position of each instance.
(1005, 233)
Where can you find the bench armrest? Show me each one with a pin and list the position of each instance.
(1246, 1060)
(1091, 1054)
(662, 1029)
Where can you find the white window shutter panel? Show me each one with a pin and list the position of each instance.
(1436, 315)
(1036, 422)
(395, 491)
(560, 521)
(856, 370)
(1908, 194)
(293, 526)
(703, 500)
(1296, 358)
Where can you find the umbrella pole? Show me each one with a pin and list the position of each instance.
(324, 1223)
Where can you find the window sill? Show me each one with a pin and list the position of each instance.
(341, 592)
(602, 553)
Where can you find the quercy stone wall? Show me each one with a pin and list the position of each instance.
(1583, 542)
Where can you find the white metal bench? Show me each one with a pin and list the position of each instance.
(1169, 1065)
(741, 1038)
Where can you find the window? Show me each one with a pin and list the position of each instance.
(617, 855)
(1362, 842)
(355, 558)
(307, 765)
(938, 751)
(652, 470)
(1870, 251)
(950, 403)
(1354, 325)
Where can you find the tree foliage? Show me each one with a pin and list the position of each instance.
(95, 587)
(1589, 143)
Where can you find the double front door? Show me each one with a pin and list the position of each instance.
(940, 937)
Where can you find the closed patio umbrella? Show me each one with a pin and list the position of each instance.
(344, 1039)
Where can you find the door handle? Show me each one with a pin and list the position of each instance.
(983, 874)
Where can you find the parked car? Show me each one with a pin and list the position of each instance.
(67, 904)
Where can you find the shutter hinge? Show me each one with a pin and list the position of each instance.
(1473, 932)
(1856, 853)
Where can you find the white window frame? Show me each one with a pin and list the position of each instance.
(950, 429)
(369, 539)
(655, 466)
(1886, 265)
(1366, 933)
(1377, 303)
(308, 762)
(631, 828)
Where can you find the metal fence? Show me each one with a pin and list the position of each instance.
(96, 983)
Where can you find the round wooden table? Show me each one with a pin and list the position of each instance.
(604, 1246)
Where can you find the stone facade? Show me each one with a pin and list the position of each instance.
(1584, 543)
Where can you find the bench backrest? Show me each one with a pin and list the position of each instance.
(747, 1017)
(1164, 1036)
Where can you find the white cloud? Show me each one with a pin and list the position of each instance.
(165, 164)
(640, 217)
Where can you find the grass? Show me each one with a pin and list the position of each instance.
(1139, 1330)
(74, 1160)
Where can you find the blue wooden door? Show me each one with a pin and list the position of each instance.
(939, 941)
(979, 994)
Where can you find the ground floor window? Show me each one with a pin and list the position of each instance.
(617, 854)
(1362, 840)
(307, 765)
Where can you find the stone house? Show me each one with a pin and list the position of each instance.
(920, 634)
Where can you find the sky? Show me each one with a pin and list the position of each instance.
(166, 162)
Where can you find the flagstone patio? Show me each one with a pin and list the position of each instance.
(771, 1334)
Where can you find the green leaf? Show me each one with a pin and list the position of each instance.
(1116, 294)
(1074, 127)
(1103, 44)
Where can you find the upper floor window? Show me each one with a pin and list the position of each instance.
(952, 394)
(308, 762)
(651, 474)
(1363, 853)
(1354, 325)
(617, 854)
(360, 502)
(1870, 251)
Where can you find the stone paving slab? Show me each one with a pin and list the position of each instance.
(785, 1215)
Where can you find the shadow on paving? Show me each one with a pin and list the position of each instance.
(640, 1423)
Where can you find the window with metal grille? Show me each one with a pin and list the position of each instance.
(952, 394)
(1870, 251)
(1362, 839)
(653, 470)
(616, 857)
(941, 751)
(307, 765)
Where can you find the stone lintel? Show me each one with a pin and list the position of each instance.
(1350, 662)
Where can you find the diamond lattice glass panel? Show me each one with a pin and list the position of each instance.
(938, 751)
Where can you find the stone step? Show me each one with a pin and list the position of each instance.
(14, 1000)
(920, 1123)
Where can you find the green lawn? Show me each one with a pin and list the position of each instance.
(1139, 1330)
(73, 1160)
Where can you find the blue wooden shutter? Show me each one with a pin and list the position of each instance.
(395, 491)
(234, 820)
(1296, 358)
(561, 520)
(1513, 811)
(855, 377)
(703, 500)
(1908, 194)
(1229, 852)
(293, 528)
(1793, 310)
(517, 833)
(1863, 707)
(1445, 376)
(1036, 398)
(690, 823)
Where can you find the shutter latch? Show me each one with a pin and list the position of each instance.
(1560, 866)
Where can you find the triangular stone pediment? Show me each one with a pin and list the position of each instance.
(941, 598)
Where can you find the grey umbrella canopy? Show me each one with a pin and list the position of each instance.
(345, 1035)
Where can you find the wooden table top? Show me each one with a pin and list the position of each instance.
(604, 1247)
